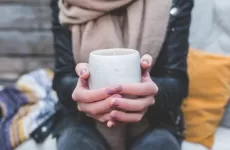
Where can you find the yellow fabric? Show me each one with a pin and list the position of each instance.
(209, 91)
(21, 131)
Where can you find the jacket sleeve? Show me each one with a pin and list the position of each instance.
(65, 78)
(170, 70)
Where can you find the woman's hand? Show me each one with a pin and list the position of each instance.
(95, 103)
(103, 104)
(133, 110)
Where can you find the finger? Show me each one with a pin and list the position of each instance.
(126, 117)
(133, 105)
(111, 124)
(146, 77)
(146, 62)
(88, 96)
(82, 70)
(98, 107)
(103, 118)
(139, 89)
(83, 83)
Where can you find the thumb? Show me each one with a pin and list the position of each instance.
(146, 62)
(82, 70)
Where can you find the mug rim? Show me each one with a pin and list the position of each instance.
(121, 51)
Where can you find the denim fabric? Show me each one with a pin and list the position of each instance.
(158, 139)
(83, 137)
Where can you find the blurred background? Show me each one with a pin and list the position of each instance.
(25, 38)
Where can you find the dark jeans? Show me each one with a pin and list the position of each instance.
(83, 137)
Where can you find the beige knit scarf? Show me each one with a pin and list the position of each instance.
(101, 24)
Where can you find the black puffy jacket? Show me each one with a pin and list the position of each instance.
(170, 70)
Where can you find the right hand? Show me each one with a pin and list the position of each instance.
(95, 103)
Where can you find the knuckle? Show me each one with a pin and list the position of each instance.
(154, 88)
(74, 96)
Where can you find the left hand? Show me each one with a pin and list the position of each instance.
(133, 110)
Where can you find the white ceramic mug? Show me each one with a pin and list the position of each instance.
(109, 67)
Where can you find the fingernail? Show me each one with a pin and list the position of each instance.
(110, 92)
(115, 103)
(83, 71)
(146, 62)
(119, 89)
(110, 124)
(113, 115)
